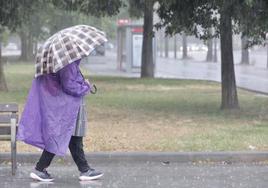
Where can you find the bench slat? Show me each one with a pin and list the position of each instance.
(6, 130)
(5, 137)
(9, 107)
(5, 118)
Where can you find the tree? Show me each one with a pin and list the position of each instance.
(184, 46)
(215, 56)
(147, 64)
(3, 85)
(226, 17)
(166, 46)
(100, 13)
(99, 8)
(228, 89)
(30, 30)
(175, 46)
(160, 43)
(138, 8)
(244, 50)
(11, 15)
(254, 24)
(210, 48)
(267, 56)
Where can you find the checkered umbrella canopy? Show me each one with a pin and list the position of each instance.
(67, 46)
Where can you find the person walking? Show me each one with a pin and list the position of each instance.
(54, 116)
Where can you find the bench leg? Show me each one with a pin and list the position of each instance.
(13, 157)
(13, 146)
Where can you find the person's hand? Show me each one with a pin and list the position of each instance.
(87, 81)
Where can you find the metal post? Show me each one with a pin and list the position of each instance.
(128, 50)
(119, 49)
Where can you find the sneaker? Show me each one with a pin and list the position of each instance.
(43, 176)
(91, 174)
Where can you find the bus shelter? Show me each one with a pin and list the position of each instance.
(129, 46)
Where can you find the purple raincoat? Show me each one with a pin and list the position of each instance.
(51, 109)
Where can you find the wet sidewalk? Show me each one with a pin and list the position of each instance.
(146, 175)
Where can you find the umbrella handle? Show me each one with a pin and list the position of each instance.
(95, 89)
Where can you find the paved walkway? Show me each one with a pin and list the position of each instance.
(147, 175)
(250, 77)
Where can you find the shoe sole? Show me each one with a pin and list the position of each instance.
(86, 178)
(35, 177)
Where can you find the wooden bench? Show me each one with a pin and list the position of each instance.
(8, 129)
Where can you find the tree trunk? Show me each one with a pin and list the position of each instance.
(35, 47)
(147, 66)
(175, 46)
(215, 56)
(23, 38)
(184, 46)
(244, 50)
(267, 55)
(160, 44)
(210, 50)
(30, 47)
(3, 84)
(229, 94)
(166, 47)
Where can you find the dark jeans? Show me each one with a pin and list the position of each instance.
(76, 149)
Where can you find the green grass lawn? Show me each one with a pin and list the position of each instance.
(131, 114)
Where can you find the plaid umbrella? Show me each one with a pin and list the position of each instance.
(67, 46)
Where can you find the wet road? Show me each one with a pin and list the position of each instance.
(248, 77)
(147, 175)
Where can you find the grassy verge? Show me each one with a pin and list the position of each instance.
(159, 115)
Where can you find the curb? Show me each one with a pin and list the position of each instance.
(179, 157)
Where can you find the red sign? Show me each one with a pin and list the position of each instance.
(137, 30)
(123, 21)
